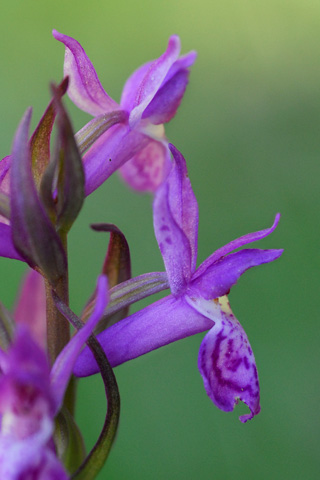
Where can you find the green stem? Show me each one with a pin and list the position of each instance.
(93, 463)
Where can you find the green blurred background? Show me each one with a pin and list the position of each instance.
(249, 129)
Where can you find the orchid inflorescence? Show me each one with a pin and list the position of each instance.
(42, 190)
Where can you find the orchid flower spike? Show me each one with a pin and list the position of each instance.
(136, 142)
(31, 394)
(197, 302)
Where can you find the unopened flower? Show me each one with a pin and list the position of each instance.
(150, 98)
(31, 394)
(197, 301)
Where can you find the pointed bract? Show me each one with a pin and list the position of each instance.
(33, 234)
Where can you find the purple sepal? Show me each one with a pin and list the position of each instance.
(85, 89)
(153, 79)
(63, 365)
(234, 244)
(163, 322)
(227, 365)
(217, 279)
(33, 233)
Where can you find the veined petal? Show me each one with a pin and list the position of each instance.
(63, 366)
(85, 89)
(153, 79)
(226, 362)
(7, 248)
(234, 244)
(164, 105)
(183, 203)
(146, 170)
(163, 322)
(109, 152)
(217, 280)
(31, 307)
(173, 243)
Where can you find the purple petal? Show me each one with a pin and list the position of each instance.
(85, 89)
(146, 170)
(163, 322)
(175, 212)
(234, 244)
(7, 248)
(63, 366)
(164, 105)
(110, 152)
(173, 243)
(183, 203)
(155, 75)
(217, 280)
(31, 307)
(227, 365)
(184, 62)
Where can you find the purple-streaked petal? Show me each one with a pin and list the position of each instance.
(63, 366)
(31, 307)
(7, 248)
(175, 213)
(234, 244)
(173, 243)
(153, 79)
(164, 105)
(146, 170)
(110, 152)
(227, 365)
(85, 89)
(183, 203)
(217, 280)
(32, 231)
(163, 322)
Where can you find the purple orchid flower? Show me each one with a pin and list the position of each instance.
(150, 98)
(31, 394)
(197, 302)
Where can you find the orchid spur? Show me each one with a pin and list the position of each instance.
(197, 301)
(130, 135)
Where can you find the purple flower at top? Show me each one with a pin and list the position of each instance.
(137, 145)
(197, 301)
(31, 393)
